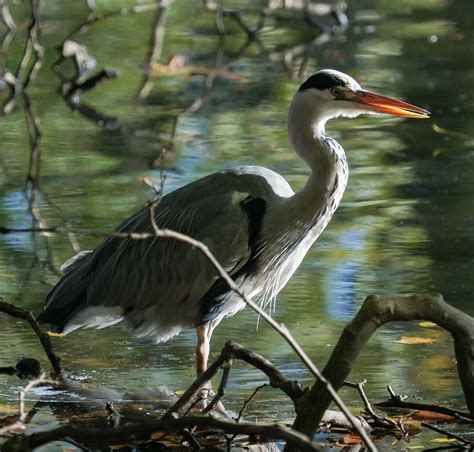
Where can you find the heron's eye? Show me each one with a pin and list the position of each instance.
(335, 92)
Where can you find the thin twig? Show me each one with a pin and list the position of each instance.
(378, 421)
(94, 17)
(221, 390)
(35, 136)
(19, 313)
(462, 440)
(399, 401)
(21, 292)
(35, 45)
(72, 238)
(155, 48)
(252, 396)
(20, 424)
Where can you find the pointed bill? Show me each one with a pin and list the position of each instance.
(382, 104)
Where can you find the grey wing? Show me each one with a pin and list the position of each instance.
(156, 284)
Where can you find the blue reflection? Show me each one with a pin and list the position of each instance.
(14, 204)
(341, 282)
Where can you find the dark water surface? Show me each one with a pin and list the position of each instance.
(405, 224)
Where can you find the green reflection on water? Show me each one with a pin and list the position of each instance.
(405, 224)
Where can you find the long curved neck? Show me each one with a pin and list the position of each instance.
(323, 191)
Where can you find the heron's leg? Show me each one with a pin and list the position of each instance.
(204, 333)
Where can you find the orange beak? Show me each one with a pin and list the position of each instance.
(381, 104)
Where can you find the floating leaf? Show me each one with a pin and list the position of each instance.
(414, 340)
(350, 440)
(444, 440)
(425, 415)
(452, 133)
(427, 324)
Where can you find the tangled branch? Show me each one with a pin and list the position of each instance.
(280, 328)
(375, 312)
(122, 435)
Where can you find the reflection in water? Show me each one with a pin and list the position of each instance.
(404, 224)
(342, 279)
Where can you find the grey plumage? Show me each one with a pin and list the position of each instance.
(158, 286)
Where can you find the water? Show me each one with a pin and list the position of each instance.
(405, 224)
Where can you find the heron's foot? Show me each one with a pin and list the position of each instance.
(206, 395)
(206, 391)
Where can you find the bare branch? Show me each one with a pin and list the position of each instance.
(399, 401)
(43, 337)
(378, 421)
(221, 390)
(252, 396)
(233, 350)
(15, 90)
(35, 46)
(6, 16)
(120, 435)
(375, 312)
(94, 16)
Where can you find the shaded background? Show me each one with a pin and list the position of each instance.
(405, 224)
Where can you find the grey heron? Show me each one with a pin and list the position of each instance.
(250, 218)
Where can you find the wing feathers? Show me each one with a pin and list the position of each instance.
(158, 283)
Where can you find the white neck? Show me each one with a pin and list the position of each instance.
(325, 157)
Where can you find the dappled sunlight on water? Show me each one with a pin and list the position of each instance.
(404, 225)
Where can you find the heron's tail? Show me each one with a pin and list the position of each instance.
(68, 297)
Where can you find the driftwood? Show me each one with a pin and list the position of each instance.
(375, 312)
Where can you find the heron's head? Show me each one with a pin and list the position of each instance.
(332, 93)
